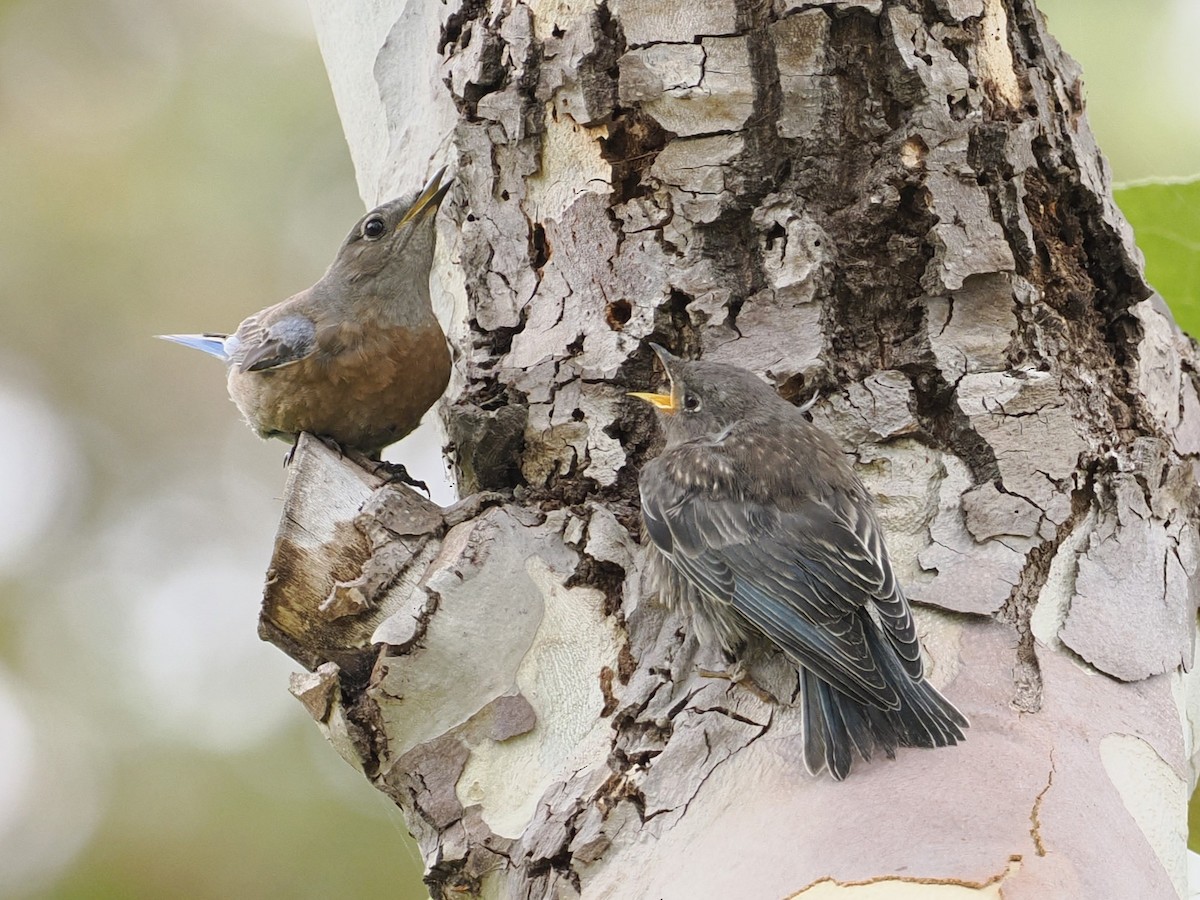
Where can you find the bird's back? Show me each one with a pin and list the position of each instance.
(764, 533)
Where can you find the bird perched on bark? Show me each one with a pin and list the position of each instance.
(359, 357)
(762, 532)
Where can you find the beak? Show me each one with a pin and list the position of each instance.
(662, 402)
(428, 200)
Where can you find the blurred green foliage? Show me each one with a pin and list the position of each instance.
(243, 825)
(1140, 72)
(1165, 216)
(169, 165)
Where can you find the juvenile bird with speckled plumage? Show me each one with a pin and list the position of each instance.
(761, 531)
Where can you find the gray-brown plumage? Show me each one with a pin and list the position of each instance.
(359, 357)
(760, 529)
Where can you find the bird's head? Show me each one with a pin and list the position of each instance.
(704, 398)
(395, 239)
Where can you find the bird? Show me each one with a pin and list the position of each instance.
(358, 358)
(761, 533)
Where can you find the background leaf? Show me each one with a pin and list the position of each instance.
(1165, 216)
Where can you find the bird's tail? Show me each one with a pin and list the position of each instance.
(212, 344)
(834, 723)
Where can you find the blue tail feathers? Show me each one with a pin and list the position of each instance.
(212, 344)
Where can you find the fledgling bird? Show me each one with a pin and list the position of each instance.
(359, 357)
(761, 530)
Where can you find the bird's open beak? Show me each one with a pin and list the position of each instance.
(668, 403)
(428, 200)
(661, 402)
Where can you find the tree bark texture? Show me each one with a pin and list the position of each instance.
(897, 206)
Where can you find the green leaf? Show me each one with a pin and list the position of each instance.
(1165, 216)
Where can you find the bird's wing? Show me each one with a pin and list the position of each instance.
(284, 341)
(794, 569)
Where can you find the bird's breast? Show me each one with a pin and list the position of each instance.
(365, 387)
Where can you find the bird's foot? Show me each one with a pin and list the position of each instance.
(327, 441)
(396, 473)
(738, 674)
(332, 445)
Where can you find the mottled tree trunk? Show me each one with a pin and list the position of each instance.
(897, 206)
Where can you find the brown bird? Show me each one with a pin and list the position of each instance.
(762, 532)
(359, 357)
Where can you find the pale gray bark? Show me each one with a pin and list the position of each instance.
(896, 205)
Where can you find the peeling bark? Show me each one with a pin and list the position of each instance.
(896, 207)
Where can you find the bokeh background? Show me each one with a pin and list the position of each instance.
(172, 165)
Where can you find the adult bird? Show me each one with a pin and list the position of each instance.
(762, 532)
(359, 357)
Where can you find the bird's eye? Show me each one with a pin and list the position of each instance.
(374, 228)
(691, 402)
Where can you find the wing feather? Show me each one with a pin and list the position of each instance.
(800, 571)
(285, 341)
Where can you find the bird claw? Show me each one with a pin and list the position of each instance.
(738, 674)
(332, 445)
(398, 474)
(327, 441)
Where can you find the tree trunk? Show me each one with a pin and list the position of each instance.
(897, 206)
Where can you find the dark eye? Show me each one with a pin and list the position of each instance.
(374, 228)
(691, 402)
